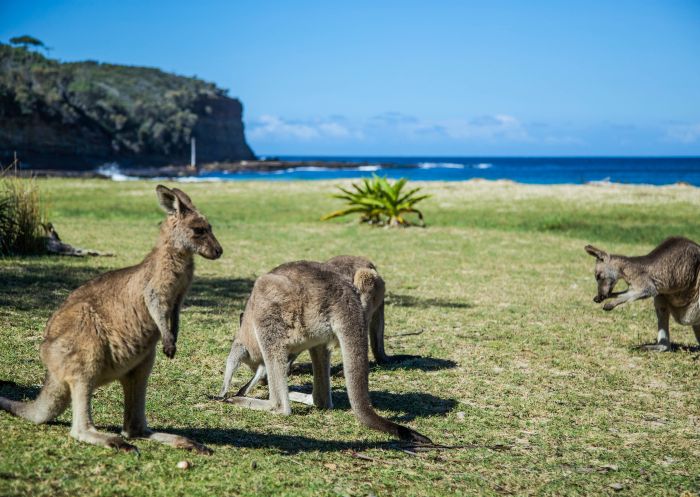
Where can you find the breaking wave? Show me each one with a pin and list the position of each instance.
(453, 165)
(112, 171)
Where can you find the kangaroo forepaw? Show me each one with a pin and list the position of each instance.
(169, 350)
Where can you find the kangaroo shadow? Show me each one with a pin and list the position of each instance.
(411, 301)
(418, 362)
(13, 391)
(43, 286)
(672, 347)
(287, 444)
(396, 362)
(217, 292)
(410, 405)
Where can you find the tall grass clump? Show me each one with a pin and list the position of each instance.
(21, 215)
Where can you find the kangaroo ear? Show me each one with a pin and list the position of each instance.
(185, 200)
(596, 252)
(168, 200)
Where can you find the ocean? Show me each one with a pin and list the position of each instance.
(533, 170)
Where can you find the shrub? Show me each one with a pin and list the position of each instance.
(380, 202)
(21, 216)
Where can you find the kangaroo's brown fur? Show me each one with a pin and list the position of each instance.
(670, 273)
(107, 330)
(372, 296)
(301, 306)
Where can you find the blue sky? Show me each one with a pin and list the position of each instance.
(413, 78)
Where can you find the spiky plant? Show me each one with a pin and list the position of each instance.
(380, 202)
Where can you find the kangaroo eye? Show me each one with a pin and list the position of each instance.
(199, 231)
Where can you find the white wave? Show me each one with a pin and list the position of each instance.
(112, 171)
(602, 182)
(444, 165)
(317, 169)
(197, 179)
(483, 165)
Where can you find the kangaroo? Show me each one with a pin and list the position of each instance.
(670, 273)
(346, 266)
(108, 329)
(301, 306)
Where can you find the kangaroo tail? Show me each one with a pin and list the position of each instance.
(356, 367)
(237, 354)
(52, 401)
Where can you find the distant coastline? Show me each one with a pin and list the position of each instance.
(527, 170)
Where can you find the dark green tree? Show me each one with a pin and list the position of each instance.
(27, 41)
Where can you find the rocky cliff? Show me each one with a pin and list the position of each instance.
(80, 115)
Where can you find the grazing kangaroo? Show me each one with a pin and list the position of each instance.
(670, 273)
(305, 306)
(346, 266)
(108, 329)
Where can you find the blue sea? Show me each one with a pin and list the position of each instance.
(534, 170)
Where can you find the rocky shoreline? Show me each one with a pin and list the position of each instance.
(174, 171)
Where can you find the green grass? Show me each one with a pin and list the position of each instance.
(545, 391)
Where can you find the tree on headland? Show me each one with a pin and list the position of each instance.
(27, 41)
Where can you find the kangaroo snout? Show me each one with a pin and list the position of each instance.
(212, 252)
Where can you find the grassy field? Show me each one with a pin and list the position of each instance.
(542, 391)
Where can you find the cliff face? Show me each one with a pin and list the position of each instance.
(80, 115)
(219, 131)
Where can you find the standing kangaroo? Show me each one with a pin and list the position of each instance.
(305, 306)
(670, 273)
(108, 329)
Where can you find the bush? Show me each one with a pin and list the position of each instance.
(21, 216)
(380, 202)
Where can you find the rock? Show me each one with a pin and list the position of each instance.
(184, 465)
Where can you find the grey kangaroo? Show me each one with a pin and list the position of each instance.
(345, 266)
(670, 273)
(108, 328)
(305, 306)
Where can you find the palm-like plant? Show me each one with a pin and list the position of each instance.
(380, 202)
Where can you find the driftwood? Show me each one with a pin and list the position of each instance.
(54, 245)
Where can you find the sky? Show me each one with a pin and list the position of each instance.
(405, 78)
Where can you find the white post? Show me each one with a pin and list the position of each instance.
(193, 157)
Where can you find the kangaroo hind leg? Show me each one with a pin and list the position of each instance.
(135, 424)
(82, 428)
